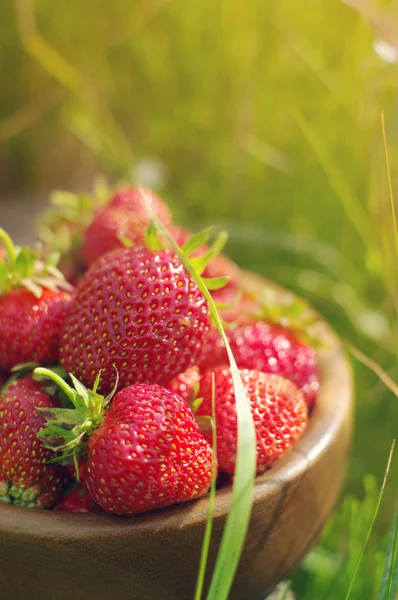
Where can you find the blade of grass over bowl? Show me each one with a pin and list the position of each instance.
(237, 523)
(373, 520)
(286, 591)
(389, 582)
(209, 522)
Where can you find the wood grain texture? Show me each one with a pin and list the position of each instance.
(58, 556)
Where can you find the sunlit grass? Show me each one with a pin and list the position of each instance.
(266, 115)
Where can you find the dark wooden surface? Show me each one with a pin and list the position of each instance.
(58, 556)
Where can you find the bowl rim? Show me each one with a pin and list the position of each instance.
(332, 412)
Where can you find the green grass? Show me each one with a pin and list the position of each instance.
(264, 117)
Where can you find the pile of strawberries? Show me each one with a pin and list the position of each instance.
(110, 374)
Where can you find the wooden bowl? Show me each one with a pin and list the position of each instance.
(46, 555)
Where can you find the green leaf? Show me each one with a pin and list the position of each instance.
(215, 283)
(101, 190)
(23, 263)
(226, 306)
(62, 416)
(3, 276)
(197, 241)
(205, 422)
(127, 243)
(219, 242)
(97, 381)
(32, 287)
(81, 389)
(389, 583)
(63, 198)
(199, 263)
(9, 246)
(59, 439)
(152, 240)
(25, 367)
(196, 404)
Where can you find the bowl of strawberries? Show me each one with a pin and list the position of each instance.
(131, 370)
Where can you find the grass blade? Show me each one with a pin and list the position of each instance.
(209, 523)
(237, 523)
(286, 592)
(394, 218)
(238, 519)
(379, 499)
(338, 182)
(373, 366)
(389, 583)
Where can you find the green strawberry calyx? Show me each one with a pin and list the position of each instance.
(62, 226)
(19, 495)
(295, 316)
(197, 240)
(23, 267)
(68, 429)
(49, 387)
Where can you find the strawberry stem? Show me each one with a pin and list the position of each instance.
(41, 372)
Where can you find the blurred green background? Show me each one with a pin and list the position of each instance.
(261, 116)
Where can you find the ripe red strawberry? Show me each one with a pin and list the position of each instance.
(77, 500)
(185, 383)
(138, 310)
(26, 478)
(32, 307)
(31, 326)
(146, 452)
(278, 408)
(270, 349)
(126, 215)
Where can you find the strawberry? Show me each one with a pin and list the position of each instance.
(138, 310)
(25, 477)
(77, 500)
(270, 349)
(146, 452)
(125, 216)
(278, 408)
(185, 383)
(33, 301)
